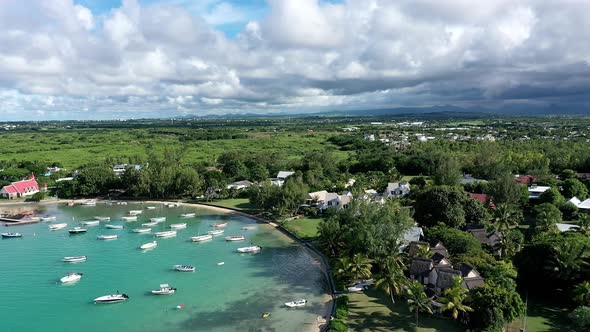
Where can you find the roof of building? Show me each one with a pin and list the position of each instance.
(585, 204)
(414, 247)
(445, 278)
(438, 247)
(345, 199)
(567, 227)
(437, 258)
(420, 266)
(489, 239)
(284, 174)
(471, 278)
(319, 196)
(22, 186)
(526, 179)
(538, 189)
(483, 199)
(575, 201)
(242, 183)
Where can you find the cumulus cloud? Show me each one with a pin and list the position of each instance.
(165, 58)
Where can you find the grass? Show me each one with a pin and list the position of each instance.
(306, 228)
(373, 311)
(241, 204)
(544, 316)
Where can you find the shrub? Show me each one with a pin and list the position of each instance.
(581, 316)
(338, 325)
(342, 307)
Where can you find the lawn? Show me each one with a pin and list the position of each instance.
(543, 316)
(241, 204)
(373, 311)
(306, 228)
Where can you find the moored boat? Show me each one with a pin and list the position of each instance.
(54, 227)
(10, 235)
(110, 226)
(71, 277)
(150, 224)
(151, 207)
(184, 268)
(99, 218)
(201, 238)
(165, 234)
(149, 245)
(88, 203)
(188, 215)
(74, 259)
(141, 230)
(165, 289)
(235, 238)
(296, 303)
(113, 298)
(50, 218)
(249, 228)
(107, 237)
(216, 232)
(130, 218)
(221, 224)
(250, 249)
(90, 223)
(178, 226)
(77, 230)
(158, 219)
(135, 212)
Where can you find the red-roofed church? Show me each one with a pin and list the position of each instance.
(20, 188)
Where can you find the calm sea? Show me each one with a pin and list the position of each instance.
(229, 297)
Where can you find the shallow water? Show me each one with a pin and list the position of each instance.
(230, 297)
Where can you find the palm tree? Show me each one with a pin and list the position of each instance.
(503, 221)
(417, 299)
(584, 224)
(582, 293)
(453, 298)
(423, 251)
(392, 279)
(569, 261)
(356, 268)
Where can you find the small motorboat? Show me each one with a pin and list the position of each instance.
(188, 215)
(165, 234)
(51, 218)
(266, 315)
(149, 245)
(150, 224)
(88, 203)
(90, 223)
(216, 232)
(130, 218)
(201, 238)
(55, 227)
(250, 249)
(77, 230)
(107, 237)
(110, 226)
(221, 263)
(141, 230)
(235, 238)
(296, 303)
(184, 268)
(151, 207)
(74, 259)
(178, 226)
(114, 298)
(99, 218)
(220, 224)
(158, 219)
(171, 205)
(249, 228)
(11, 235)
(71, 277)
(165, 289)
(135, 212)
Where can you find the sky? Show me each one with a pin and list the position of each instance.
(111, 59)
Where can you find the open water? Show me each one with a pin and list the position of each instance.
(230, 297)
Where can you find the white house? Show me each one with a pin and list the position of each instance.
(20, 189)
(567, 227)
(239, 185)
(324, 199)
(281, 177)
(398, 189)
(536, 191)
(120, 168)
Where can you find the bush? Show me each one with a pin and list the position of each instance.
(581, 316)
(37, 197)
(338, 325)
(342, 307)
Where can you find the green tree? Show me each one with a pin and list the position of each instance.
(475, 212)
(418, 301)
(492, 295)
(235, 169)
(574, 188)
(453, 298)
(331, 236)
(456, 241)
(392, 279)
(356, 268)
(504, 189)
(440, 204)
(259, 173)
(37, 197)
(581, 316)
(581, 293)
(552, 196)
(546, 216)
(447, 171)
(584, 224)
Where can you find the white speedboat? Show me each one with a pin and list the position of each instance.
(165, 234)
(141, 230)
(99, 218)
(220, 224)
(121, 203)
(88, 203)
(110, 226)
(250, 249)
(51, 218)
(216, 232)
(113, 298)
(90, 223)
(71, 277)
(150, 224)
(178, 226)
(54, 227)
(158, 219)
(249, 228)
(201, 238)
(297, 303)
(74, 259)
(130, 218)
(184, 268)
(9, 235)
(149, 245)
(77, 230)
(107, 237)
(235, 238)
(188, 215)
(220, 263)
(135, 212)
(165, 289)
(151, 207)
(171, 205)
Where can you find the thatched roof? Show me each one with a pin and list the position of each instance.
(420, 266)
(445, 278)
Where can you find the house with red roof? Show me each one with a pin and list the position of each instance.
(20, 188)
(484, 199)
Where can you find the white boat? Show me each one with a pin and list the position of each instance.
(221, 263)
(48, 218)
(54, 227)
(151, 207)
(178, 226)
(184, 268)
(135, 212)
(113, 298)
(235, 238)
(131, 218)
(107, 237)
(165, 289)
(88, 203)
(171, 205)
(77, 230)
(165, 234)
(250, 249)
(35, 219)
(297, 303)
(149, 245)
(141, 230)
(249, 228)
(71, 277)
(158, 219)
(216, 232)
(99, 218)
(149, 224)
(90, 223)
(188, 215)
(110, 226)
(74, 259)
(121, 203)
(201, 238)
(221, 224)
(9, 235)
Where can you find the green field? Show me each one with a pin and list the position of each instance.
(543, 316)
(240, 204)
(306, 228)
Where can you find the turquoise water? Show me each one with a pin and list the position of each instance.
(230, 297)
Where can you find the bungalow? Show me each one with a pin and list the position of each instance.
(471, 278)
(239, 185)
(20, 188)
(398, 189)
(536, 191)
(484, 199)
(372, 196)
(485, 238)
(323, 200)
(281, 177)
(120, 168)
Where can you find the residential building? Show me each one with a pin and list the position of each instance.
(239, 185)
(281, 177)
(536, 191)
(20, 189)
(120, 168)
(397, 189)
